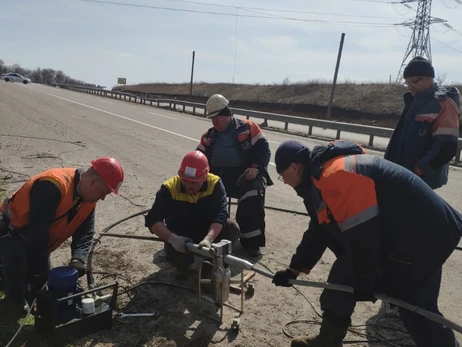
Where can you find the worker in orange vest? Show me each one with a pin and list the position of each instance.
(49, 208)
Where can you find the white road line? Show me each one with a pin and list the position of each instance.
(126, 118)
(161, 115)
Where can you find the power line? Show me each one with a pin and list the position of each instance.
(320, 21)
(445, 44)
(280, 10)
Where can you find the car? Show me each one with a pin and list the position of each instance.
(14, 77)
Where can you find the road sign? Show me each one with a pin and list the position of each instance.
(121, 80)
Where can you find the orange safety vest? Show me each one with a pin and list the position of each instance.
(16, 207)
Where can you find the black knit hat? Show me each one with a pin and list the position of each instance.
(417, 67)
(288, 152)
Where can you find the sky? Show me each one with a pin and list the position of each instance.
(153, 40)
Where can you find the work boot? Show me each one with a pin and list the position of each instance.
(333, 331)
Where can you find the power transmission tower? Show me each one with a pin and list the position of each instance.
(419, 44)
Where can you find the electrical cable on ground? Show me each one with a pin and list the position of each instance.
(379, 338)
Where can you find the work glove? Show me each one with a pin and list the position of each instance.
(281, 278)
(79, 266)
(206, 242)
(179, 242)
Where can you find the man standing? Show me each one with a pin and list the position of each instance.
(190, 207)
(374, 216)
(426, 136)
(239, 153)
(47, 210)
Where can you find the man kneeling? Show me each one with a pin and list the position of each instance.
(191, 207)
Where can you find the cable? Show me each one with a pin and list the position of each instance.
(280, 10)
(22, 324)
(320, 21)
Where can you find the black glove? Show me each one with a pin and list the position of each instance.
(79, 266)
(364, 293)
(281, 278)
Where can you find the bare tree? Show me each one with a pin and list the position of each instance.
(59, 77)
(441, 78)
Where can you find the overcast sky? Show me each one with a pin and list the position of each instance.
(298, 39)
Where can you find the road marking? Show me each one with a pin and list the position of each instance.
(161, 115)
(126, 118)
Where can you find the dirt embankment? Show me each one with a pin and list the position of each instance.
(371, 104)
(374, 104)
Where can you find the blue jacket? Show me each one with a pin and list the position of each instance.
(426, 135)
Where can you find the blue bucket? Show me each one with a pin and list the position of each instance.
(62, 282)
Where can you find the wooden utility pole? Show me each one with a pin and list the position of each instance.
(332, 93)
(192, 75)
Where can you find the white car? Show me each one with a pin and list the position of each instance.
(14, 77)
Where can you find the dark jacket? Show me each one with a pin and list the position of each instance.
(374, 209)
(426, 135)
(189, 214)
(253, 146)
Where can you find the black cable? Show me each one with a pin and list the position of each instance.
(380, 338)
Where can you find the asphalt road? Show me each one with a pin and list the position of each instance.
(159, 136)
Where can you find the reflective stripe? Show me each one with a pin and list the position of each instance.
(249, 194)
(447, 131)
(250, 234)
(359, 218)
(257, 137)
(350, 163)
(426, 117)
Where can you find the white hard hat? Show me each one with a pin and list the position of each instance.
(215, 104)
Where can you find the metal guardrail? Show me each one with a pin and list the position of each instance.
(368, 130)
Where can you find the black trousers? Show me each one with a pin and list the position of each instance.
(250, 213)
(182, 261)
(399, 281)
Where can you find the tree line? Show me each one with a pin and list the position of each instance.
(43, 76)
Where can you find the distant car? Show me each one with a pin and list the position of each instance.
(14, 77)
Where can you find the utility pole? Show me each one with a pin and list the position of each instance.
(332, 93)
(192, 76)
(419, 44)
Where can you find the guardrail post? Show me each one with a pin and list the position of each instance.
(194, 110)
(458, 154)
(286, 126)
(310, 130)
(205, 112)
(150, 102)
(338, 135)
(371, 140)
(184, 108)
(247, 117)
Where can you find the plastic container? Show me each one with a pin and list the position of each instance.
(62, 282)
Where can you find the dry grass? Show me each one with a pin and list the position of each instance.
(371, 98)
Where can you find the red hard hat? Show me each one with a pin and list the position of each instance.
(194, 167)
(110, 171)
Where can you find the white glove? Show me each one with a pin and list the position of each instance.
(179, 242)
(206, 242)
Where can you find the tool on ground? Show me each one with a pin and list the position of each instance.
(64, 312)
(126, 315)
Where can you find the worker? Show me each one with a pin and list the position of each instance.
(190, 207)
(426, 136)
(391, 233)
(49, 208)
(239, 153)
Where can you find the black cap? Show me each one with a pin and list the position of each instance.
(417, 67)
(288, 152)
